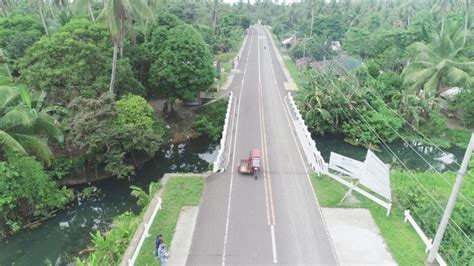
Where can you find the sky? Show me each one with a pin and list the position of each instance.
(251, 1)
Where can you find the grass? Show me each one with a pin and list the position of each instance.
(294, 72)
(179, 191)
(405, 245)
(226, 62)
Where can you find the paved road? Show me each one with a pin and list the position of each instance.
(275, 219)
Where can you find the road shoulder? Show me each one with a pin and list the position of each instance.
(356, 237)
(183, 236)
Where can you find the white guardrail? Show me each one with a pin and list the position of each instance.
(312, 154)
(220, 157)
(428, 242)
(145, 234)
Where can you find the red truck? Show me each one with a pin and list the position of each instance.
(252, 164)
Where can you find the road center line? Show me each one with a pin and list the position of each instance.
(267, 176)
(226, 234)
(290, 125)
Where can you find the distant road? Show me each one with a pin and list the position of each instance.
(275, 219)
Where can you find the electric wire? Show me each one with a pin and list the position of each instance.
(403, 164)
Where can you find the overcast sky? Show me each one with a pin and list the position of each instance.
(251, 1)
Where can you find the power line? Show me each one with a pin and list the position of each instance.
(421, 185)
(409, 145)
(401, 137)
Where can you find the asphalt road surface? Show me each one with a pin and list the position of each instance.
(275, 219)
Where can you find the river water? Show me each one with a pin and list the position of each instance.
(60, 238)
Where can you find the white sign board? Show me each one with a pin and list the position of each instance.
(346, 165)
(376, 176)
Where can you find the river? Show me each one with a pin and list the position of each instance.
(60, 238)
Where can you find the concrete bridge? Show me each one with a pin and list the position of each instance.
(275, 219)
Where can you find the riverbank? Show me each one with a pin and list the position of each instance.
(179, 191)
(63, 236)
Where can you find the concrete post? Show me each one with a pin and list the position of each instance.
(451, 202)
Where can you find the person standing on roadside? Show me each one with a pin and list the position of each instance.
(158, 242)
(162, 254)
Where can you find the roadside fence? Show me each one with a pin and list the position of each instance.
(315, 160)
(220, 158)
(428, 242)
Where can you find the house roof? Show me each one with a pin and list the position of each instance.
(340, 64)
(287, 41)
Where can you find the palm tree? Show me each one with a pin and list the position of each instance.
(466, 20)
(144, 198)
(83, 4)
(117, 14)
(438, 65)
(39, 4)
(408, 9)
(25, 124)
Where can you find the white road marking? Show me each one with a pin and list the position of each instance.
(267, 178)
(275, 260)
(290, 123)
(226, 234)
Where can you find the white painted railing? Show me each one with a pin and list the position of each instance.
(428, 242)
(220, 157)
(315, 160)
(145, 233)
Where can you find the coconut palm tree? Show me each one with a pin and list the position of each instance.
(82, 5)
(25, 124)
(407, 10)
(439, 65)
(117, 14)
(39, 4)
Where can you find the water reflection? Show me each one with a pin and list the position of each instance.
(433, 158)
(62, 237)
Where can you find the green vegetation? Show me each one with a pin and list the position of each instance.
(108, 248)
(28, 192)
(408, 61)
(183, 67)
(402, 240)
(25, 125)
(210, 119)
(4, 78)
(179, 191)
(112, 130)
(411, 196)
(66, 59)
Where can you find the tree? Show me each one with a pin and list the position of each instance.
(74, 61)
(39, 4)
(184, 66)
(438, 65)
(83, 4)
(143, 198)
(26, 124)
(117, 14)
(27, 191)
(109, 131)
(18, 33)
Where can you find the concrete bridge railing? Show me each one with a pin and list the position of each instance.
(313, 156)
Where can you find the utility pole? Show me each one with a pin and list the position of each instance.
(451, 202)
